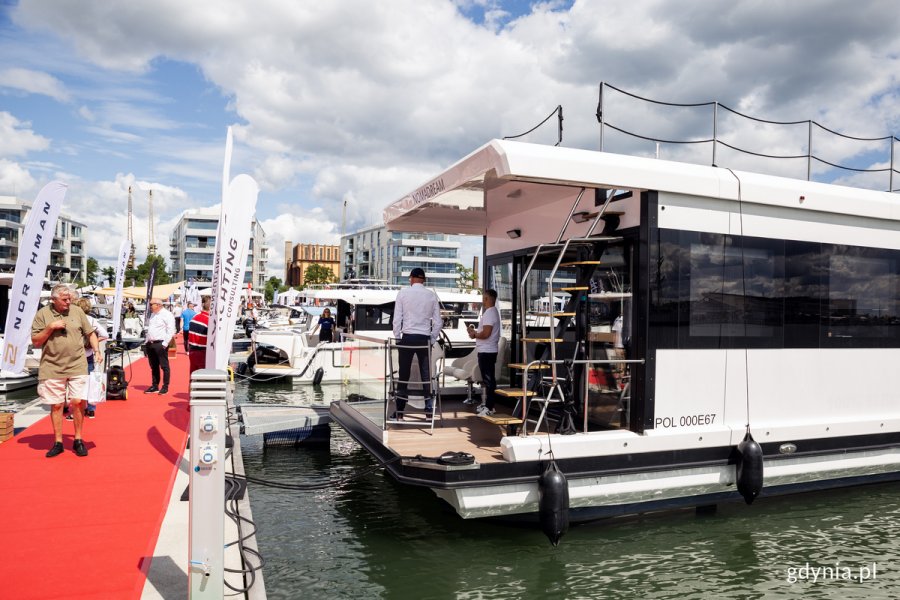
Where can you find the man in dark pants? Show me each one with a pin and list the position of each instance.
(417, 324)
(160, 331)
(487, 340)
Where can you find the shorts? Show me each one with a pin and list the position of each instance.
(53, 391)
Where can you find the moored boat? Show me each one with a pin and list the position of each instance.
(725, 335)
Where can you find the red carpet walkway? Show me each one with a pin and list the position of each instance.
(75, 527)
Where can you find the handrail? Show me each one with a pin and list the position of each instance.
(716, 140)
(599, 361)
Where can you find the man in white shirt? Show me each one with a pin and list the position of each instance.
(160, 331)
(487, 341)
(417, 324)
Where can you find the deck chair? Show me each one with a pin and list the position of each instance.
(472, 374)
(464, 369)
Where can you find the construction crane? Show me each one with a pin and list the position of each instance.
(151, 247)
(130, 231)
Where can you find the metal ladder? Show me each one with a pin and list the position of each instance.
(555, 392)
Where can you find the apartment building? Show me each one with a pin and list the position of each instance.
(299, 257)
(376, 253)
(192, 247)
(68, 254)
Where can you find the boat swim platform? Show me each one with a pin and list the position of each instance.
(116, 514)
(458, 429)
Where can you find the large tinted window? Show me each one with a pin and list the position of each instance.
(723, 291)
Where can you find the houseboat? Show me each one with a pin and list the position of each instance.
(726, 335)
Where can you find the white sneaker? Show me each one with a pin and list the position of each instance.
(484, 411)
(470, 401)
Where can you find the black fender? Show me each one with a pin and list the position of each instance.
(749, 469)
(553, 507)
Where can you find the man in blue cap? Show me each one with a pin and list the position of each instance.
(417, 325)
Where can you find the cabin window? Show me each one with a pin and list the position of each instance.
(723, 291)
(862, 295)
(374, 318)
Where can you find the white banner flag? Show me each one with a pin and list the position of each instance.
(214, 289)
(31, 266)
(124, 253)
(232, 245)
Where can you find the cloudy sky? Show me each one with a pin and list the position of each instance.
(362, 101)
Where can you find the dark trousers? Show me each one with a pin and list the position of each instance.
(413, 345)
(158, 355)
(186, 347)
(326, 335)
(197, 358)
(487, 362)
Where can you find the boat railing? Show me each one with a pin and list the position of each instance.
(369, 377)
(715, 139)
(547, 399)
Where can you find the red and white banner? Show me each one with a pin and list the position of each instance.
(31, 266)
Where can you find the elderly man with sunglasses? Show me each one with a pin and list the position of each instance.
(60, 329)
(160, 331)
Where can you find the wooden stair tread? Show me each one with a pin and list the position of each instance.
(522, 366)
(579, 263)
(542, 340)
(501, 420)
(514, 392)
(554, 314)
(577, 288)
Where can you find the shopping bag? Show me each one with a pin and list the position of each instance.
(96, 387)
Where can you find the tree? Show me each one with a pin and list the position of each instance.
(109, 273)
(466, 281)
(318, 274)
(273, 286)
(91, 271)
(142, 272)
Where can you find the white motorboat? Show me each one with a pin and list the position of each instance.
(297, 353)
(727, 335)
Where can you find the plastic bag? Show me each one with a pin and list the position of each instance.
(96, 387)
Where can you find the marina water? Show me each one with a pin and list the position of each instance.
(374, 538)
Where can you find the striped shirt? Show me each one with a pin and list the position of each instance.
(197, 330)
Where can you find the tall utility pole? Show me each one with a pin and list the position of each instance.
(130, 231)
(151, 247)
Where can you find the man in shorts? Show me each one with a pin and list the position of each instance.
(60, 330)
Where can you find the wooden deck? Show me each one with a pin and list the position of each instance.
(458, 430)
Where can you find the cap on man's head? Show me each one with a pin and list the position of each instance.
(417, 272)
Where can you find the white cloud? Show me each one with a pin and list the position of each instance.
(17, 138)
(365, 101)
(307, 227)
(34, 82)
(14, 180)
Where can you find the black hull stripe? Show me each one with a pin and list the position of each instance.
(600, 466)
